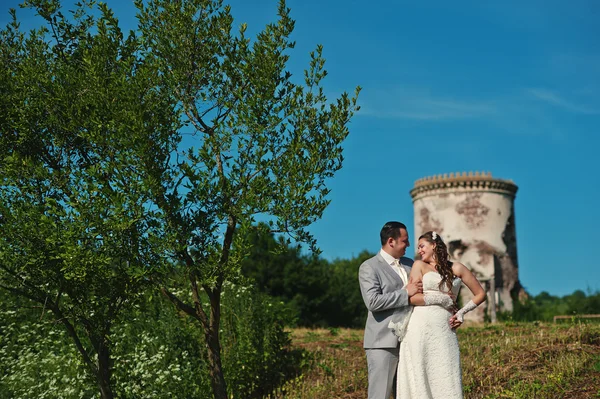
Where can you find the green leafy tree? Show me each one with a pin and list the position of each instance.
(268, 261)
(282, 271)
(322, 293)
(98, 187)
(345, 306)
(258, 145)
(78, 232)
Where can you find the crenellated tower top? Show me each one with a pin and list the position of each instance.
(462, 182)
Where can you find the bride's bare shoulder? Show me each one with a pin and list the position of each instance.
(458, 268)
(419, 264)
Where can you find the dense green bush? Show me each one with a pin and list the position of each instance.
(157, 353)
(256, 353)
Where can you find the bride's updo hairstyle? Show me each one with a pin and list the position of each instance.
(440, 255)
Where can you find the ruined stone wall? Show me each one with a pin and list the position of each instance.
(474, 215)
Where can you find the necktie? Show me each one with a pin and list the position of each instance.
(400, 270)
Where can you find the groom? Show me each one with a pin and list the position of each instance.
(385, 290)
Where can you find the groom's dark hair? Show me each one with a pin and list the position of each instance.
(391, 230)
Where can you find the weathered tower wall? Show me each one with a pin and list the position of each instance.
(474, 215)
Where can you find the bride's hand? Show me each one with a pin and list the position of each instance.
(454, 322)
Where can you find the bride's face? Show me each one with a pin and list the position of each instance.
(425, 250)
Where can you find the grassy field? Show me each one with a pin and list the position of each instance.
(505, 360)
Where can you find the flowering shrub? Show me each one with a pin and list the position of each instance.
(157, 353)
(37, 360)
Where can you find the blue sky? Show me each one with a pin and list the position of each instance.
(508, 87)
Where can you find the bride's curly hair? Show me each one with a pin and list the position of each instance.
(440, 255)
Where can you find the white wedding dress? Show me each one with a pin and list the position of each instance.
(429, 364)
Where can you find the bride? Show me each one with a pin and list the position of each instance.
(429, 364)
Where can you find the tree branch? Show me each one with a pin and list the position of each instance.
(179, 304)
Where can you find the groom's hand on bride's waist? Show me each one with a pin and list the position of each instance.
(414, 287)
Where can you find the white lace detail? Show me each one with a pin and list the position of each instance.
(465, 309)
(429, 364)
(399, 322)
(437, 298)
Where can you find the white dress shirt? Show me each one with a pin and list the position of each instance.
(395, 264)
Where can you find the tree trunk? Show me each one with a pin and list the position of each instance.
(217, 379)
(102, 368)
(211, 332)
(104, 371)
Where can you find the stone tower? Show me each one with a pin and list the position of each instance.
(474, 215)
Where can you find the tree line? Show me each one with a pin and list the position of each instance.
(544, 306)
(324, 293)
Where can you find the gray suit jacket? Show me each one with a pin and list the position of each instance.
(382, 292)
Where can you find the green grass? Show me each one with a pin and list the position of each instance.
(504, 360)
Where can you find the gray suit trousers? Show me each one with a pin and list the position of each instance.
(382, 363)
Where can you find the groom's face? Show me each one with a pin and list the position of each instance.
(399, 246)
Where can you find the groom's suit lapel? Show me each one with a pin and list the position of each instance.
(388, 271)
